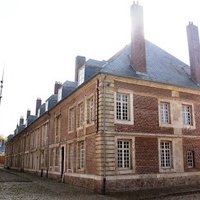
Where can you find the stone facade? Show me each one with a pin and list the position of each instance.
(122, 128)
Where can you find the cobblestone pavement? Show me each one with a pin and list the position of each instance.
(17, 186)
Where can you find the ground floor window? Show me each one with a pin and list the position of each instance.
(190, 159)
(165, 154)
(123, 154)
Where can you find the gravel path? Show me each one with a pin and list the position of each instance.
(23, 186)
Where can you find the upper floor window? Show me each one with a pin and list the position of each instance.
(124, 107)
(57, 126)
(80, 115)
(165, 112)
(187, 115)
(81, 74)
(71, 119)
(90, 110)
(165, 154)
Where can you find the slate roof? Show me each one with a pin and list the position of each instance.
(95, 63)
(161, 67)
(70, 84)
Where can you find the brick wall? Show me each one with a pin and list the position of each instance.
(191, 144)
(146, 155)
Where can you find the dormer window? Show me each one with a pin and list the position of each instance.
(59, 94)
(46, 105)
(81, 74)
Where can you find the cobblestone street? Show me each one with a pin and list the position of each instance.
(17, 185)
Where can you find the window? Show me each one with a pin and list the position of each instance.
(90, 110)
(190, 159)
(56, 156)
(59, 94)
(80, 115)
(70, 156)
(81, 73)
(123, 152)
(81, 154)
(122, 107)
(71, 119)
(165, 113)
(165, 153)
(57, 125)
(51, 156)
(187, 114)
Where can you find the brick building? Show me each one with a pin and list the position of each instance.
(128, 123)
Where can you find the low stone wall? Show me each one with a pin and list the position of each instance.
(150, 183)
(121, 185)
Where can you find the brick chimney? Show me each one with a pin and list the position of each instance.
(56, 87)
(38, 104)
(80, 61)
(21, 121)
(194, 51)
(28, 114)
(138, 53)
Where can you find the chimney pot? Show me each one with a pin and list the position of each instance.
(21, 121)
(57, 86)
(138, 52)
(194, 51)
(80, 61)
(28, 114)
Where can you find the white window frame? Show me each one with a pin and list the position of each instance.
(165, 155)
(57, 125)
(60, 94)
(190, 159)
(70, 155)
(165, 113)
(123, 154)
(71, 119)
(80, 118)
(81, 155)
(130, 109)
(187, 115)
(81, 75)
(90, 110)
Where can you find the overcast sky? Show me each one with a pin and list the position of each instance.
(39, 40)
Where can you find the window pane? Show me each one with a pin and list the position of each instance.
(122, 112)
(190, 159)
(187, 114)
(165, 153)
(165, 113)
(123, 154)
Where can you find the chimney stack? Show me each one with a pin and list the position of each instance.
(21, 121)
(138, 53)
(28, 114)
(56, 87)
(38, 104)
(80, 61)
(194, 51)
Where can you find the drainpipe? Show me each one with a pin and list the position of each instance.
(48, 142)
(104, 136)
(97, 110)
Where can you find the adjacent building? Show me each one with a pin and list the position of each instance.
(128, 123)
